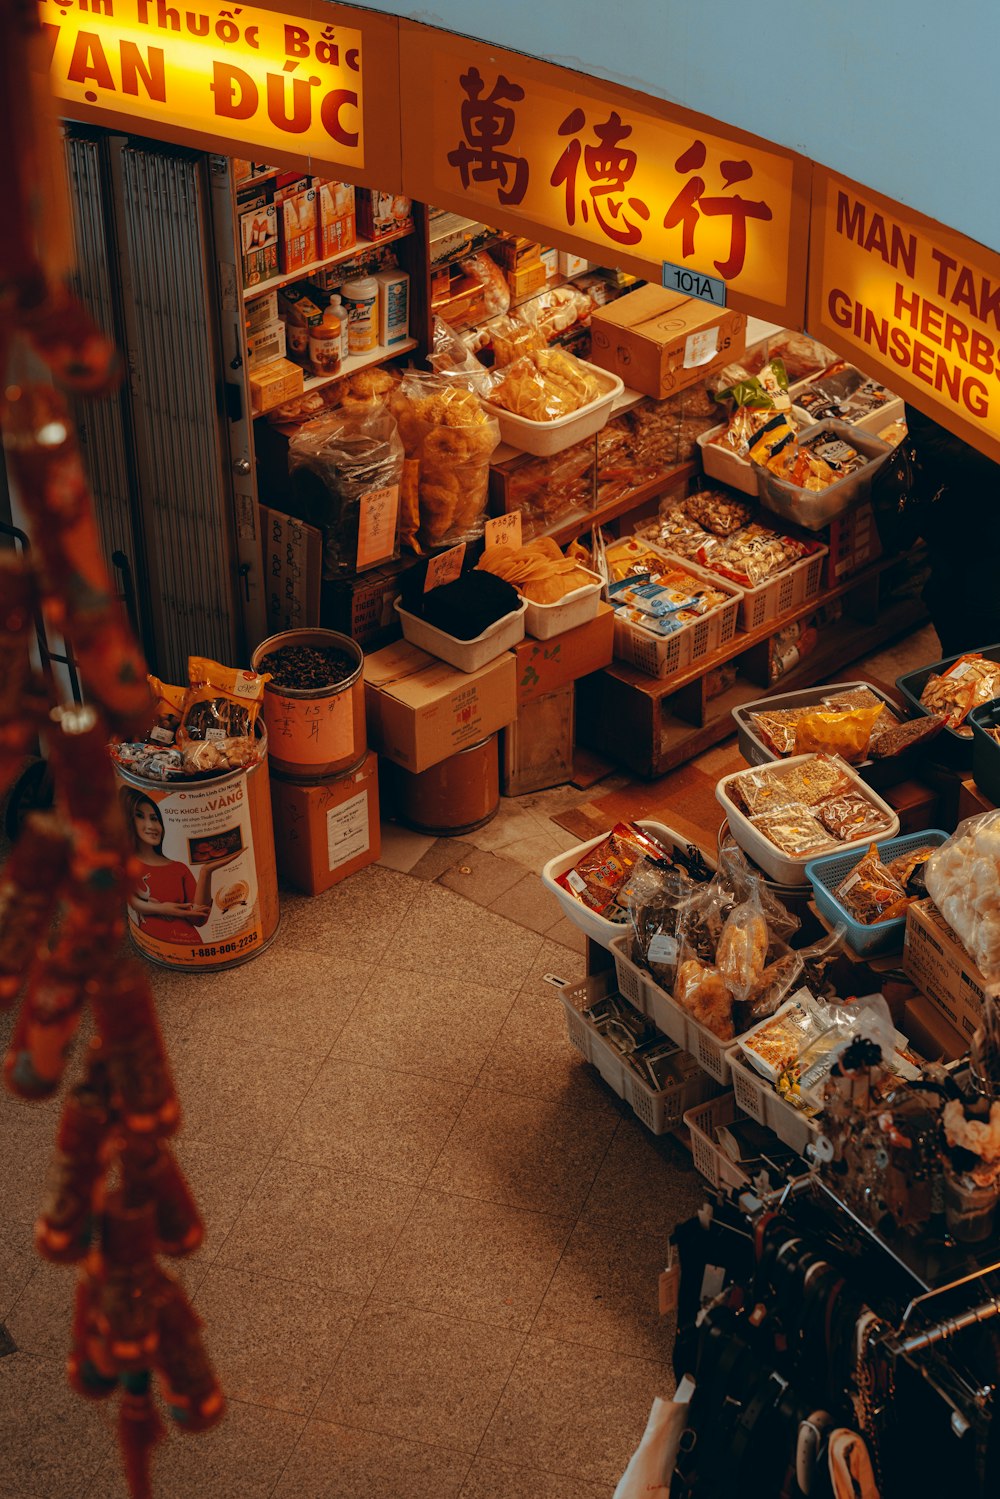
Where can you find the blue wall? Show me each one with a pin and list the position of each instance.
(899, 94)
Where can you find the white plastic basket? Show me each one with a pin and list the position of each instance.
(755, 1096)
(662, 655)
(577, 608)
(660, 1111)
(790, 869)
(546, 438)
(709, 1158)
(465, 655)
(598, 927)
(642, 990)
(788, 589)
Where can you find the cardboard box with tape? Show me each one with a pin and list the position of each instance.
(660, 342)
(939, 965)
(420, 710)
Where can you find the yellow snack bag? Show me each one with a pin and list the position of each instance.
(221, 702)
(167, 712)
(846, 733)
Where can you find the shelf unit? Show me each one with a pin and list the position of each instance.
(360, 248)
(355, 362)
(653, 725)
(568, 529)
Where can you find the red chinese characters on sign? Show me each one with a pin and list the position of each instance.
(691, 202)
(488, 124)
(609, 166)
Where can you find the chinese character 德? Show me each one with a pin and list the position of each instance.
(609, 167)
(685, 207)
(488, 123)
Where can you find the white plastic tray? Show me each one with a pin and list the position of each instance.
(466, 655)
(546, 438)
(787, 868)
(598, 927)
(545, 620)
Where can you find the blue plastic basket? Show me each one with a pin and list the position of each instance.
(826, 874)
(948, 748)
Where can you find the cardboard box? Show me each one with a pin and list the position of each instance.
(940, 966)
(261, 311)
(854, 543)
(273, 384)
(660, 342)
(550, 260)
(259, 243)
(933, 1036)
(337, 222)
(266, 344)
(292, 557)
(362, 607)
(572, 265)
(515, 251)
(543, 666)
(379, 214)
(326, 830)
(420, 710)
(527, 279)
(393, 307)
(297, 243)
(537, 749)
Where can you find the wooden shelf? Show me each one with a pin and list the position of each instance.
(360, 247)
(355, 362)
(569, 530)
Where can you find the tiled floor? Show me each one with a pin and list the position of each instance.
(434, 1234)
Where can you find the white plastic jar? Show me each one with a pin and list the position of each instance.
(360, 300)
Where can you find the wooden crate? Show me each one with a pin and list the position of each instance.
(537, 747)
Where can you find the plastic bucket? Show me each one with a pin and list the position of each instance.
(216, 855)
(457, 795)
(315, 732)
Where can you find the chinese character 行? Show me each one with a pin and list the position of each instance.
(609, 167)
(487, 124)
(685, 207)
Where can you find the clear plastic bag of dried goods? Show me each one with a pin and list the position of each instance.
(344, 466)
(653, 897)
(963, 881)
(446, 432)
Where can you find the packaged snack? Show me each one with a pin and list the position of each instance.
(968, 682)
(484, 269)
(794, 829)
(871, 892)
(769, 990)
(771, 786)
(753, 555)
(221, 703)
(895, 738)
(676, 532)
(776, 1044)
(653, 897)
(845, 733)
(703, 992)
(513, 338)
(600, 873)
(851, 815)
(911, 871)
(545, 385)
(167, 712)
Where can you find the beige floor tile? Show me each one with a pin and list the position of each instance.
(448, 935)
(528, 903)
(532, 1056)
(273, 1342)
(409, 1022)
(604, 1292)
(474, 1260)
(482, 876)
(574, 1411)
(356, 920)
(40, 1319)
(18, 1261)
(241, 1458)
(510, 824)
(221, 1181)
(299, 999)
(319, 1227)
(552, 957)
(341, 1462)
(523, 1152)
(567, 934)
(443, 853)
(402, 847)
(646, 1181)
(429, 1379)
(388, 1125)
(493, 1480)
(239, 1095)
(535, 850)
(52, 1443)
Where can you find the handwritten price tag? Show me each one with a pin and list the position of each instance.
(504, 530)
(377, 525)
(445, 567)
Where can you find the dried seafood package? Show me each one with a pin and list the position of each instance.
(852, 815)
(871, 892)
(968, 682)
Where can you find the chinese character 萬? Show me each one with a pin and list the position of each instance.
(609, 167)
(488, 124)
(685, 207)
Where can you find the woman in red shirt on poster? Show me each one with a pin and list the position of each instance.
(170, 905)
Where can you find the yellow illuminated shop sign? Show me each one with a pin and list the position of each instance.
(254, 81)
(599, 170)
(910, 302)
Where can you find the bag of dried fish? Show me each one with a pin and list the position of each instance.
(871, 892)
(968, 682)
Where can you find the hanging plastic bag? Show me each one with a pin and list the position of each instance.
(335, 463)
